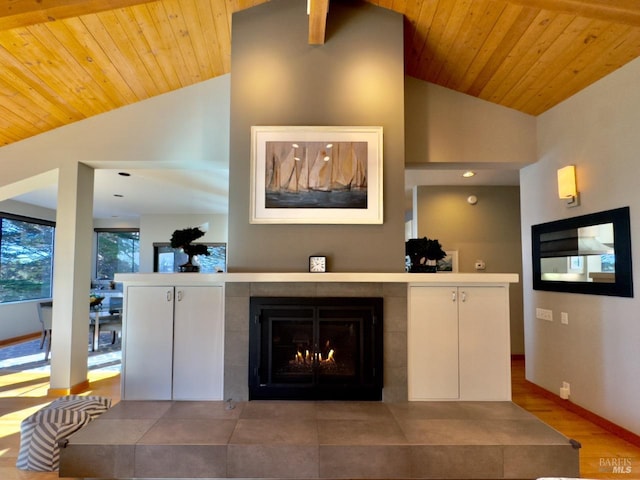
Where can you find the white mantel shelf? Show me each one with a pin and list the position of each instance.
(271, 277)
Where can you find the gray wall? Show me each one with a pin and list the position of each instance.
(597, 352)
(444, 126)
(488, 231)
(355, 78)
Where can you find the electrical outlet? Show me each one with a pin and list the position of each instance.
(565, 390)
(564, 318)
(544, 314)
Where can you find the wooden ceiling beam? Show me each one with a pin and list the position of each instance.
(318, 10)
(618, 11)
(22, 13)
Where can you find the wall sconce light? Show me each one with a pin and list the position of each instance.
(567, 189)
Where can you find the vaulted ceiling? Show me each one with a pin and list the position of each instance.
(67, 60)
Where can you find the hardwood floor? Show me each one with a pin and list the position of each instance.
(22, 394)
(601, 450)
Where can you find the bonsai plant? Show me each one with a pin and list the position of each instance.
(424, 254)
(182, 239)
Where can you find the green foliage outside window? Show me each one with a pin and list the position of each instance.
(26, 258)
(118, 252)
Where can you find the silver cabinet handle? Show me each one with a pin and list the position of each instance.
(180, 294)
(464, 296)
(169, 295)
(453, 295)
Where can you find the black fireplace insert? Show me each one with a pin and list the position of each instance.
(316, 348)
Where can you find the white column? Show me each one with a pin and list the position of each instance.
(72, 279)
(414, 212)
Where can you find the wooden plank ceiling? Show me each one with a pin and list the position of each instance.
(67, 60)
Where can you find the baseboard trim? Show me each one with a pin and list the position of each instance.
(588, 415)
(75, 389)
(21, 338)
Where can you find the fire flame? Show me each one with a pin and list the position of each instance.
(309, 358)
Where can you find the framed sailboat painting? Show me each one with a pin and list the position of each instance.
(316, 175)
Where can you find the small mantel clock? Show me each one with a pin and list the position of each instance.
(317, 264)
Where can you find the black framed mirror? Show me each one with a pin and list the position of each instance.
(588, 254)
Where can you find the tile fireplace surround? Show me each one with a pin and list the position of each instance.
(237, 297)
(392, 439)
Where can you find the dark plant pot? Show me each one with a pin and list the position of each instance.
(189, 268)
(423, 269)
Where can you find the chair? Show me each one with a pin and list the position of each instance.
(45, 313)
(111, 322)
(115, 305)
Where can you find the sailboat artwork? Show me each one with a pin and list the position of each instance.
(316, 175)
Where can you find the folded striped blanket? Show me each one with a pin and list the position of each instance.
(41, 432)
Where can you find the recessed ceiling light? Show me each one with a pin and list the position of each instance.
(124, 174)
(468, 174)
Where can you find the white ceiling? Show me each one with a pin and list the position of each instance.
(451, 174)
(149, 192)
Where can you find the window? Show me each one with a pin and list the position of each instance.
(167, 259)
(26, 258)
(118, 251)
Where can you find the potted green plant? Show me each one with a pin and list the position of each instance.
(182, 239)
(423, 254)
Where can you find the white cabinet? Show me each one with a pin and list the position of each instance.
(173, 343)
(458, 343)
(147, 363)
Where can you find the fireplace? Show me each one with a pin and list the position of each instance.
(316, 348)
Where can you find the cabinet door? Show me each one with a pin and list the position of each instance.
(433, 343)
(198, 352)
(147, 343)
(485, 349)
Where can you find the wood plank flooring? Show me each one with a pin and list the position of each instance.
(600, 451)
(22, 394)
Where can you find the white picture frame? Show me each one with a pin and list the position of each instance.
(449, 264)
(316, 175)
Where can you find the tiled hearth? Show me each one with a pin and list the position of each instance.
(318, 440)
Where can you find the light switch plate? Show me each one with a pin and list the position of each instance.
(544, 314)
